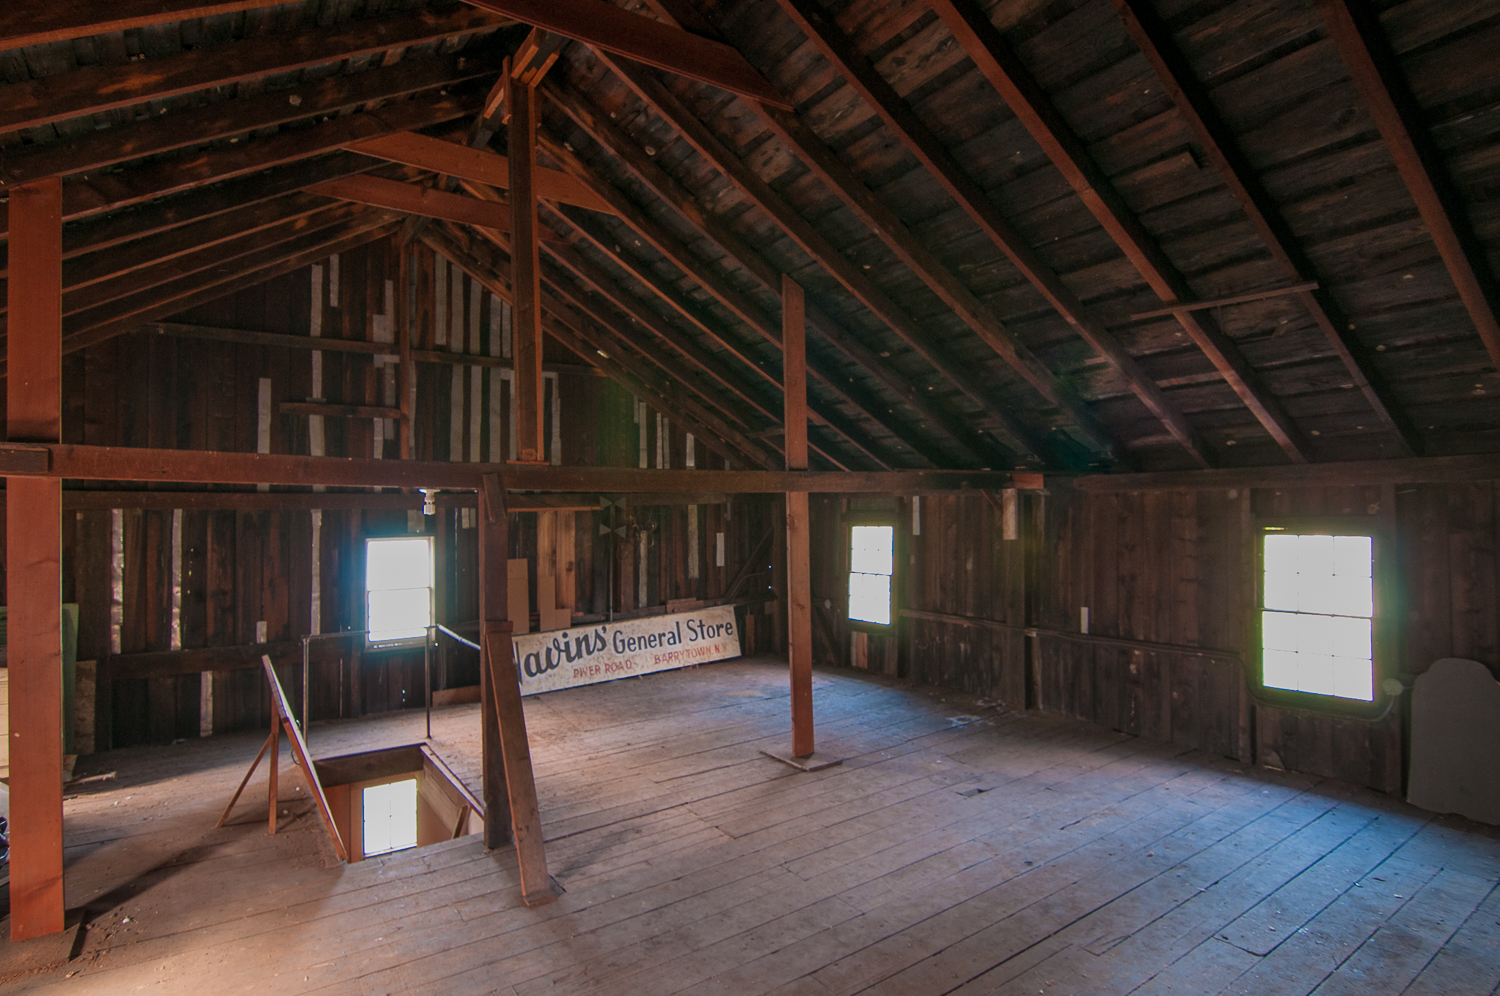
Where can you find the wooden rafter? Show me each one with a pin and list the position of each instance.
(479, 165)
(201, 288)
(594, 278)
(992, 55)
(409, 198)
(490, 265)
(882, 221)
(216, 253)
(920, 140)
(609, 28)
(617, 143)
(109, 192)
(59, 20)
(199, 125)
(201, 206)
(95, 90)
(665, 105)
(1198, 111)
(1356, 29)
(131, 463)
(116, 261)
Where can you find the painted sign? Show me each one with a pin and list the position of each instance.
(585, 655)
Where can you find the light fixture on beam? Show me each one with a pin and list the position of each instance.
(429, 502)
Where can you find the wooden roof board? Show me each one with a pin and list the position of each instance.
(1274, 76)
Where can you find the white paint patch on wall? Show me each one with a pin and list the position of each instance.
(116, 577)
(263, 423)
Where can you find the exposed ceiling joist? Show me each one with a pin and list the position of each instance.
(200, 125)
(610, 137)
(146, 183)
(429, 202)
(991, 54)
(664, 104)
(1198, 111)
(96, 89)
(254, 270)
(59, 20)
(1356, 29)
(478, 165)
(919, 139)
(488, 264)
(606, 27)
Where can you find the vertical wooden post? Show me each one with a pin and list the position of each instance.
(404, 370)
(33, 547)
(798, 570)
(494, 547)
(515, 751)
(273, 776)
(526, 312)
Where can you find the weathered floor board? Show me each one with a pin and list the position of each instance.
(958, 849)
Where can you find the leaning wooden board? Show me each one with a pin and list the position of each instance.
(299, 751)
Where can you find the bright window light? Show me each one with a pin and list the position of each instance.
(1317, 615)
(390, 817)
(871, 562)
(398, 589)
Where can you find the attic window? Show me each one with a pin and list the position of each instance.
(1317, 614)
(398, 590)
(871, 563)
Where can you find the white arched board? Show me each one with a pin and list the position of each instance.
(1455, 741)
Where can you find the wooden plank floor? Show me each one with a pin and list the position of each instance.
(959, 849)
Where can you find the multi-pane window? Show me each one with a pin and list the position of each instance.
(871, 562)
(398, 589)
(1317, 614)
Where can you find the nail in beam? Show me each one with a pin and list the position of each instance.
(33, 545)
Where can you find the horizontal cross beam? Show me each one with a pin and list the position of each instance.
(114, 463)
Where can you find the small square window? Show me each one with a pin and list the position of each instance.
(398, 590)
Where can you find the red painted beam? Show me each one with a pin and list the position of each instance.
(33, 551)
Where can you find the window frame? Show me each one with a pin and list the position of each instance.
(405, 643)
(1382, 644)
(889, 521)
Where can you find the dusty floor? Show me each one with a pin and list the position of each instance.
(958, 849)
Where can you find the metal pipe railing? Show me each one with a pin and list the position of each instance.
(429, 639)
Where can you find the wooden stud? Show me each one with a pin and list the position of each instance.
(33, 530)
(526, 308)
(798, 590)
(405, 367)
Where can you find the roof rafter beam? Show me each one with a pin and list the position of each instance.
(593, 276)
(904, 123)
(607, 28)
(991, 54)
(1197, 109)
(1356, 30)
(618, 144)
(60, 20)
(487, 263)
(409, 198)
(666, 106)
(198, 125)
(48, 99)
(201, 288)
(96, 195)
(478, 165)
